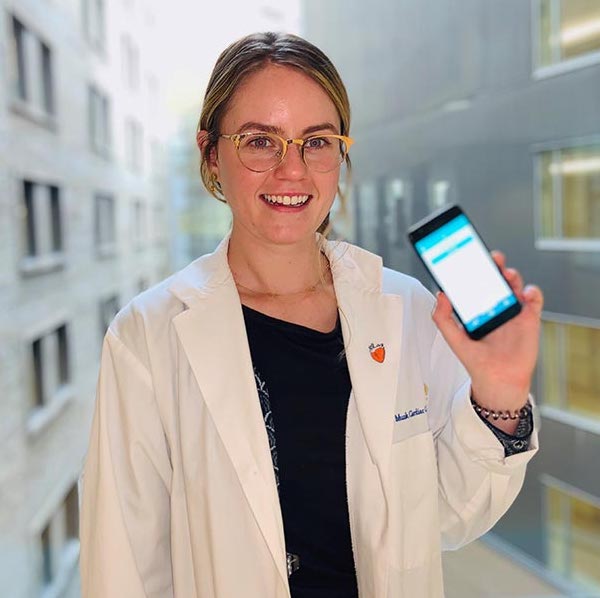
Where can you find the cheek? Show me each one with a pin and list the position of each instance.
(328, 188)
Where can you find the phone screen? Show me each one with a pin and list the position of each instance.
(464, 269)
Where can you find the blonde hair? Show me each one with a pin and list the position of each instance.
(249, 55)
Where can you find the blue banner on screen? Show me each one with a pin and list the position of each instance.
(465, 270)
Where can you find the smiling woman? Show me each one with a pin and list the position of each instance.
(283, 417)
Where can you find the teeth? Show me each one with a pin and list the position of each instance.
(287, 200)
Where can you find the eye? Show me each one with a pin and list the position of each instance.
(315, 143)
(259, 142)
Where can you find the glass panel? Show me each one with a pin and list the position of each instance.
(57, 237)
(580, 171)
(545, 33)
(46, 556)
(551, 364)
(585, 534)
(580, 27)
(38, 373)
(47, 79)
(63, 355)
(582, 372)
(72, 513)
(547, 220)
(556, 529)
(30, 232)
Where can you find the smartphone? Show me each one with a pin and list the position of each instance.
(461, 265)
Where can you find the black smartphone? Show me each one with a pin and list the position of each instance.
(461, 265)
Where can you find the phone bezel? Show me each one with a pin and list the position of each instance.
(432, 222)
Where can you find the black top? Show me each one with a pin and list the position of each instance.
(304, 386)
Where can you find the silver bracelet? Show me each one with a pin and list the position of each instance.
(521, 413)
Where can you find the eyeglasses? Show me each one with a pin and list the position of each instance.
(261, 152)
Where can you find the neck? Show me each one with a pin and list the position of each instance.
(272, 269)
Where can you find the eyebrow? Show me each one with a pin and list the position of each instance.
(256, 126)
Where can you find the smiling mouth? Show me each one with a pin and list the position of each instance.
(293, 201)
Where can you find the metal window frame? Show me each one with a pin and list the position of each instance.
(560, 67)
(562, 414)
(558, 243)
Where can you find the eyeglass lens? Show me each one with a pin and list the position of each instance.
(261, 152)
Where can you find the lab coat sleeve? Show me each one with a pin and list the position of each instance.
(124, 524)
(477, 483)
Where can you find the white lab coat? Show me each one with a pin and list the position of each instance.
(179, 495)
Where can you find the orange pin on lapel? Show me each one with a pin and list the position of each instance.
(377, 352)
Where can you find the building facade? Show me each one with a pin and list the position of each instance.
(495, 106)
(83, 228)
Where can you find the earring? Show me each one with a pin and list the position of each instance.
(214, 185)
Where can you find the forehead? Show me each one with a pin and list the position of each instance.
(282, 97)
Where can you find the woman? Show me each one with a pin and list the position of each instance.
(248, 436)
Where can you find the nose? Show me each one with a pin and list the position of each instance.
(292, 166)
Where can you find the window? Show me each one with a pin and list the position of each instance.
(130, 55)
(33, 83)
(104, 224)
(109, 308)
(94, 24)
(139, 223)
(366, 220)
(42, 229)
(19, 56)
(99, 122)
(50, 378)
(569, 374)
(159, 223)
(396, 220)
(569, 198)
(573, 535)
(568, 33)
(50, 354)
(59, 546)
(46, 547)
(134, 145)
(48, 91)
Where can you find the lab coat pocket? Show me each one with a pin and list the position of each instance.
(414, 516)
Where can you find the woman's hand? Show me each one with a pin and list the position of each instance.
(501, 364)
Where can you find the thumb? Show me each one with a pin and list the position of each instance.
(447, 325)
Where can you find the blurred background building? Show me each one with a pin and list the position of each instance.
(83, 228)
(494, 104)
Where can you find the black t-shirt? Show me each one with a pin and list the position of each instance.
(304, 386)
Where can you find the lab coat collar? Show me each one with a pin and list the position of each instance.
(213, 336)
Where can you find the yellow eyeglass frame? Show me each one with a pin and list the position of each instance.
(285, 143)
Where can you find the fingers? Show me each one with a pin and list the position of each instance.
(513, 277)
(442, 316)
(499, 258)
(515, 280)
(534, 298)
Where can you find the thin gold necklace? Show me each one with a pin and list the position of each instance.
(311, 289)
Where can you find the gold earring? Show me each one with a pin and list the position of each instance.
(214, 185)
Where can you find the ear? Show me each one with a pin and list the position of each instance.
(201, 142)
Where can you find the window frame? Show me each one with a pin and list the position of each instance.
(562, 66)
(34, 259)
(54, 401)
(102, 247)
(64, 562)
(557, 243)
(548, 481)
(562, 414)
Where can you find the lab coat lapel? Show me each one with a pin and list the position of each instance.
(213, 336)
(372, 330)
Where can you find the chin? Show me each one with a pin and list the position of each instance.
(289, 236)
